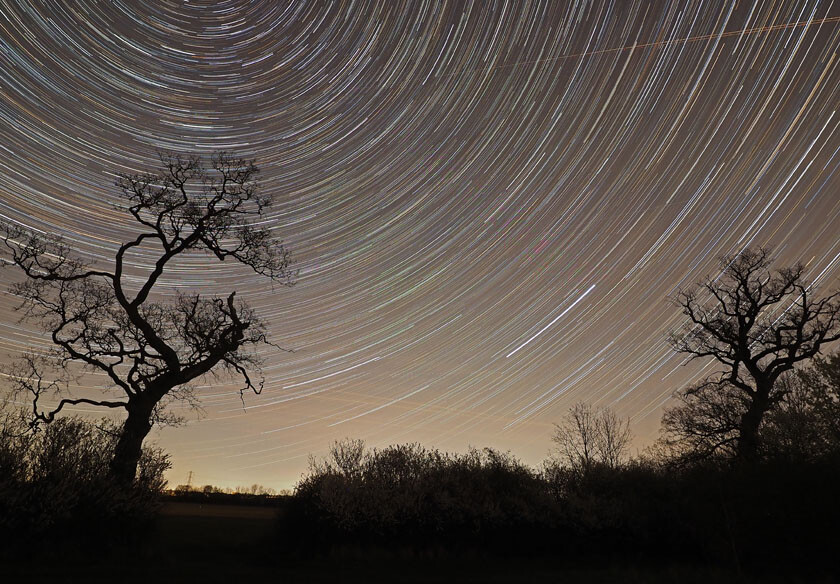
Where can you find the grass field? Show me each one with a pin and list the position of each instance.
(217, 543)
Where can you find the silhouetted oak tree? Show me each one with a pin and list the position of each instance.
(758, 324)
(149, 350)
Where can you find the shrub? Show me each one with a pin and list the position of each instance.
(409, 499)
(55, 484)
(411, 495)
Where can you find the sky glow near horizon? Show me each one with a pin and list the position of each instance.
(489, 203)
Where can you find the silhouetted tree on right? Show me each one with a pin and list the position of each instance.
(758, 324)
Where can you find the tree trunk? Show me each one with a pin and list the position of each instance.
(748, 440)
(130, 445)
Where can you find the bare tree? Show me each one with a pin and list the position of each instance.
(587, 437)
(806, 425)
(822, 382)
(704, 424)
(757, 323)
(804, 422)
(105, 322)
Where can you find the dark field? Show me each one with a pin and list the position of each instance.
(196, 542)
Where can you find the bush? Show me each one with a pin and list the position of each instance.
(409, 499)
(413, 496)
(55, 486)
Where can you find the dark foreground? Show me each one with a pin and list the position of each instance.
(210, 543)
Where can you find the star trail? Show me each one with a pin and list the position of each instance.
(489, 203)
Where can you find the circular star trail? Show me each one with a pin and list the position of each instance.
(490, 203)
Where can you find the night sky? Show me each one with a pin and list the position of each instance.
(489, 203)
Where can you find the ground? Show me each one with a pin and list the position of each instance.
(218, 543)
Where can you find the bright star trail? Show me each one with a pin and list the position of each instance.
(489, 202)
